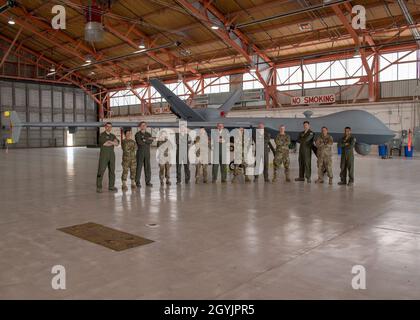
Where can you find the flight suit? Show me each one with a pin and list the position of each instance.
(347, 158)
(306, 140)
(281, 155)
(324, 154)
(144, 140)
(185, 161)
(106, 160)
(129, 162)
(267, 147)
(223, 166)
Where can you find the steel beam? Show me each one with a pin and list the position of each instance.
(209, 15)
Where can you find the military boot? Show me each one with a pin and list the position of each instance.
(287, 177)
(319, 180)
(274, 176)
(124, 186)
(300, 179)
(247, 179)
(168, 182)
(197, 180)
(342, 183)
(350, 184)
(330, 181)
(162, 183)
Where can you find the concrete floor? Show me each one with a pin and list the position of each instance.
(259, 241)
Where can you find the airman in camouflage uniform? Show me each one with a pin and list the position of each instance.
(281, 155)
(241, 154)
(129, 163)
(323, 143)
(163, 159)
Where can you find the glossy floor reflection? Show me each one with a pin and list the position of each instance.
(211, 241)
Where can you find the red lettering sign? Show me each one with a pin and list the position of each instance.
(328, 98)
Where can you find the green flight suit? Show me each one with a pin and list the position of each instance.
(144, 140)
(222, 160)
(106, 160)
(267, 147)
(347, 158)
(306, 140)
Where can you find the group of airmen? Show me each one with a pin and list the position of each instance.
(136, 156)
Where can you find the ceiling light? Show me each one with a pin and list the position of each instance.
(52, 68)
(305, 26)
(185, 52)
(11, 21)
(214, 27)
(141, 45)
(88, 59)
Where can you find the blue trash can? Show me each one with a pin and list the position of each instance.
(382, 149)
(338, 150)
(408, 153)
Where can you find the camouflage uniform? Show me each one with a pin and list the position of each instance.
(241, 154)
(281, 155)
(324, 154)
(201, 165)
(164, 168)
(129, 163)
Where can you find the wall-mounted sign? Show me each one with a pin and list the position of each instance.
(325, 98)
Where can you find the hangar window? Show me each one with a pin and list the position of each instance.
(398, 66)
(289, 78)
(179, 89)
(155, 96)
(123, 98)
(216, 85)
(250, 81)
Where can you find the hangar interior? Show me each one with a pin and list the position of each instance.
(213, 241)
